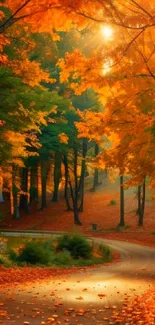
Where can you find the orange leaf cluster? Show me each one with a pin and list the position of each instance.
(63, 138)
(31, 72)
(140, 311)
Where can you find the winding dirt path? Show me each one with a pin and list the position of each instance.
(85, 297)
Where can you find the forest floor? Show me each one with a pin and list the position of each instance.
(101, 208)
(118, 293)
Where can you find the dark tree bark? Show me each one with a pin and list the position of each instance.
(57, 175)
(13, 18)
(83, 172)
(33, 183)
(122, 219)
(74, 188)
(105, 173)
(15, 191)
(1, 186)
(144, 197)
(96, 172)
(66, 192)
(24, 187)
(44, 174)
(16, 214)
(141, 202)
(75, 193)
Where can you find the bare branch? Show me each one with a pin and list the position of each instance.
(141, 8)
(12, 18)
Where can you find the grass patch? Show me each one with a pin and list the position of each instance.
(13, 242)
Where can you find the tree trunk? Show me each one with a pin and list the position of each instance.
(16, 215)
(44, 173)
(83, 171)
(11, 194)
(24, 187)
(66, 194)
(74, 190)
(105, 173)
(1, 186)
(141, 203)
(144, 196)
(96, 172)
(75, 193)
(33, 183)
(122, 220)
(57, 175)
(15, 191)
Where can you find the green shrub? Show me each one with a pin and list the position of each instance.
(77, 245)
(1, 260)
(105, 252)
(4, 261)
(80, 247)
(64, 242)
(35, 253)
(84, 262)
(67, 250)
(62, 259)
(12, 255)
(48, 245)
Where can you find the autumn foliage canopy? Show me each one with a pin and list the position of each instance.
(113, 56)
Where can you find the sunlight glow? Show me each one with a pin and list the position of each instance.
(107, 66)
(107, 32)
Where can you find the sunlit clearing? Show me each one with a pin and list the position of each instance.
(107, 32)
(89, 291)
(107, 66)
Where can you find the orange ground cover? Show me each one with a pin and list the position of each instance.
(15, 275)
(97, 209)
(138, 311)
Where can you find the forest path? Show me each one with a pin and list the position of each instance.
(91, 294)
